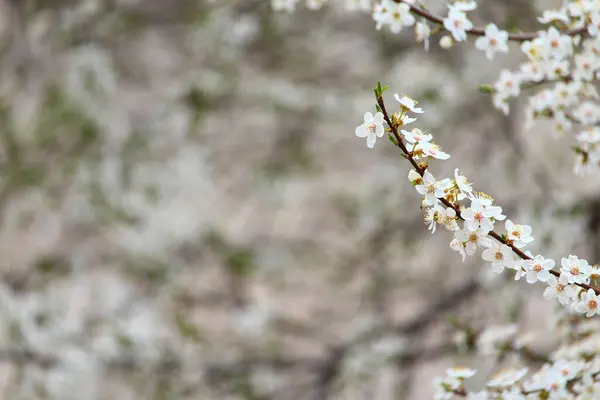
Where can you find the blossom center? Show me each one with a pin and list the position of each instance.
(372, 128)
(592, 304)
(499, 256)
(538, 268)
(493, 42)
(575, 270)
(473, 238)
(560, 287)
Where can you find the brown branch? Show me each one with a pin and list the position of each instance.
(421, 171)
(480, 31)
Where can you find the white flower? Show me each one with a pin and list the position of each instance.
(560, 289)
(585, 66)
(457, 23)
(549, 16)
(465, 5)
(508, 83)
(459, 246)
(408, 104)
(565, 94)
(406, 119)
(576, 270)
(499, 255)
(432, 189)
(556, 69)
(500, 101)
(590, 135)
(507, 378)
(432, 150)
(538, 269)
(581, 7)
(444, 388)
(589, 303)
(559, 46)
(414, 177)
(400, 16)
(416, 136)
(463, 184)
(460, 372)
(381, 13)
(439, 214)
(594, 26)
(372, 128)
(479, 215)
(474, 239)
(519, 235)
(519, 266)
(532, 71)
(536, 50)
(494, 41)
(588, 113)
(568, 369)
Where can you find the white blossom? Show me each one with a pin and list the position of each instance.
(457, 23)
(371, 128)
(494, 41)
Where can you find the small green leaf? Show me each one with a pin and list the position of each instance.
(577, 150)
(384, 89)
(486, 88)
(377, 107)
(393, 139)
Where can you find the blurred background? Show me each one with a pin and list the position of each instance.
(186, 212)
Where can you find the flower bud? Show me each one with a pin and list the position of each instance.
(446, 42)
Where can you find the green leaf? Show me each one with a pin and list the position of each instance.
(486, 88)
(377, 107)
(577, 149)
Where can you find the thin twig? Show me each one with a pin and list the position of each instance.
(480, 31)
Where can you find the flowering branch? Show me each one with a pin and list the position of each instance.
(569, 286)
(421, 169)
(479, 31)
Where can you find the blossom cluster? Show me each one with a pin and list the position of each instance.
(472, 225)
(562, 379)
(562, 60)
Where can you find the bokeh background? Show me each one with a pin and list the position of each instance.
(187, 214)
